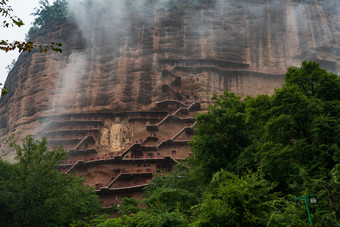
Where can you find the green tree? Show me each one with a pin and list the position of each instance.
(163, 219)
(100, 221)
(303, 127)
(30, 32)
(299, 143)
(182, 177)
(221, 136)
(168, 198)
(291, 138)
(4, 90)
(314, 81)
(47, 12)
(248, 200)
(129, 206)
(6, 173)
(37, 194)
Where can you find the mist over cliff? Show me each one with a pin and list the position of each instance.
(114, 52)
(269, 35)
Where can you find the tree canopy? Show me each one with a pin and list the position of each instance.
(35, 193)
(47, 12)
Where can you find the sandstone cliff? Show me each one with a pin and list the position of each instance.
(112, 62)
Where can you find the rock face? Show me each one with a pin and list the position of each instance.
(129, 65)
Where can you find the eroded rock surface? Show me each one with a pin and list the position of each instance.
(242, 46)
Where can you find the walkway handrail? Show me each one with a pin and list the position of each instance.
(113, 180)
(171, 100)
(174, 159)
(172, 89)
(80, 143)
(183, 129)
(173, 114)
(229, 69)
(72, 167)
(126, 187)
(73, 129)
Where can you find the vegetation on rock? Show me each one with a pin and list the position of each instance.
(47, 12)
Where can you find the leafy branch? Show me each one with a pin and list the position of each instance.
(5, 12)
(11, 20)
(29, 46)
(4, 90)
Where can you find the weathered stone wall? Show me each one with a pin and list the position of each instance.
(116, 66)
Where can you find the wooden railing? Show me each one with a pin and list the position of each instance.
(156, 125)
(73, 128)
(227, 69)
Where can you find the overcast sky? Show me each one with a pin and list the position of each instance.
(21, 9)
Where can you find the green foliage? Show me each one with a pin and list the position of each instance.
(314, 81)
(221, 135)
(5, 11)
(30, 32)
(299, 147)
(113, 222)
(35, 193)
(29, 46)
(301, 132)
(164, 219)
(46, 13)
(238, 201)
(176, 191)
(4, 90)
(183, 177)
(167, 203)
(100, 220)
(169, 200)
(129, 206)
(6, 173)
(291, 138)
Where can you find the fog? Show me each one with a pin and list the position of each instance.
(269, 35)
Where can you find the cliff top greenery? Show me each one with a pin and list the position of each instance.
(47, 12)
